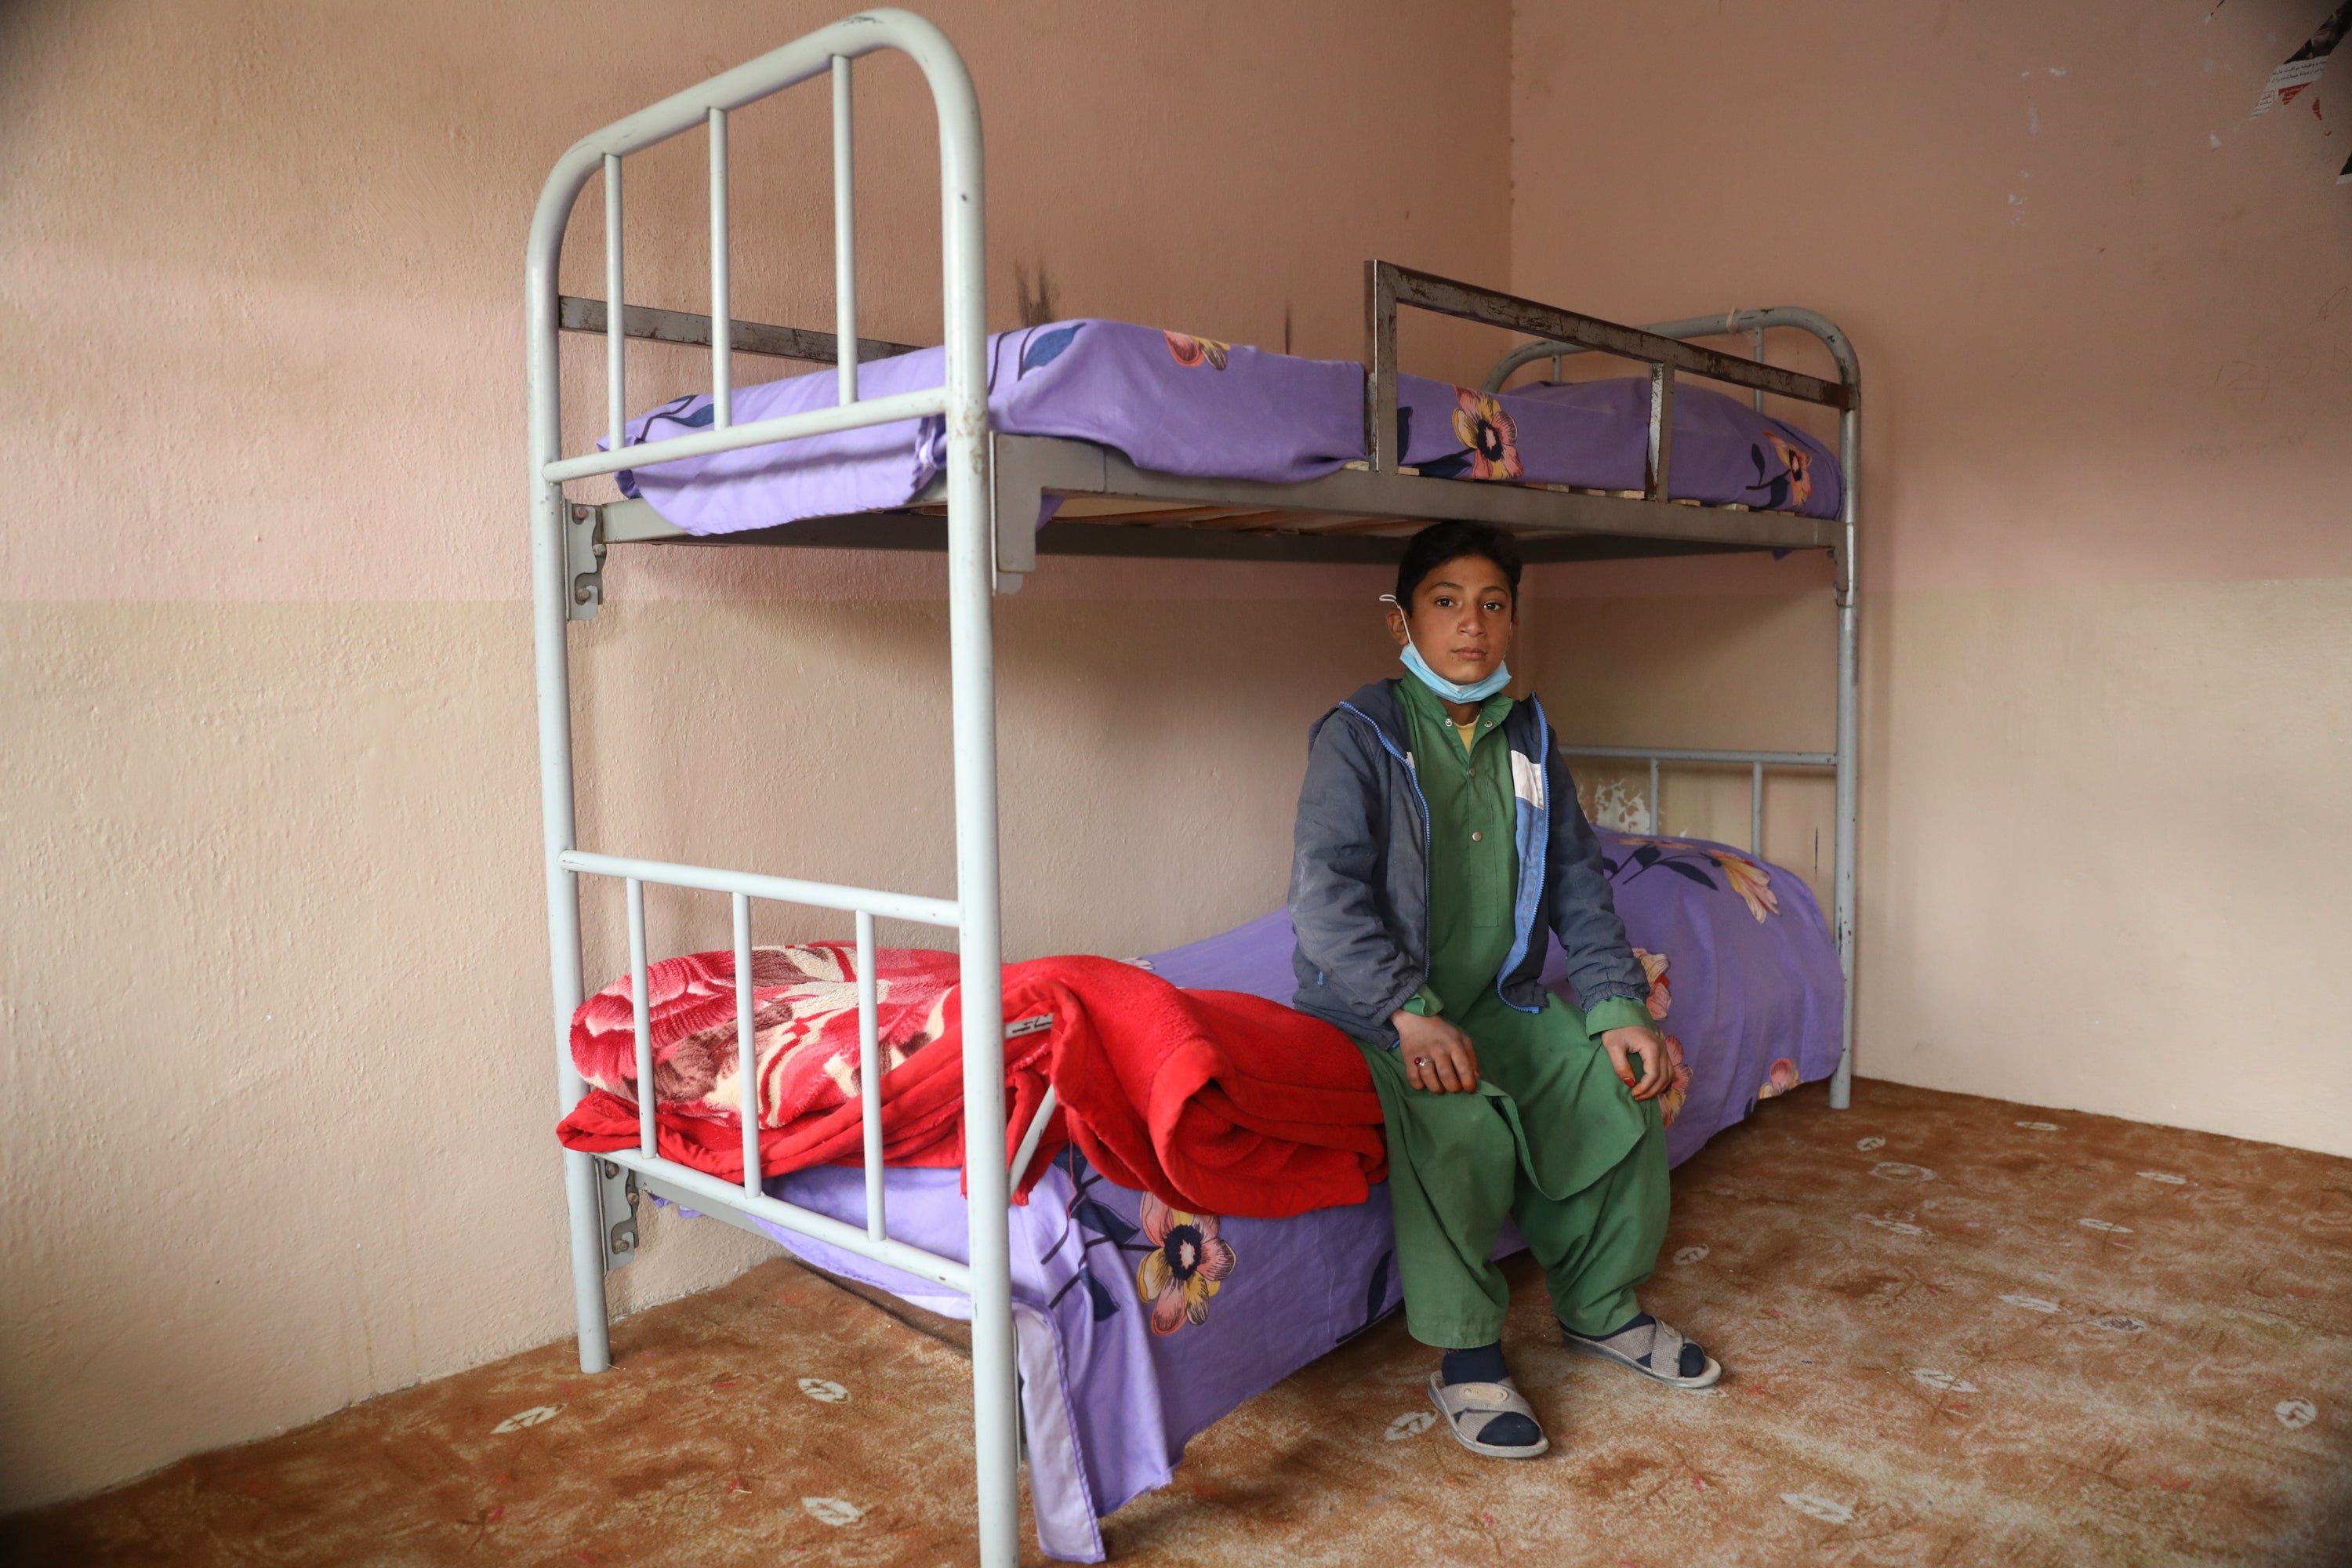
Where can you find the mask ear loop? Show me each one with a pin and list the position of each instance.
(1391, 601)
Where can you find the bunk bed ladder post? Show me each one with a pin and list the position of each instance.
(1848, 711)
(1661, 454)
(747, 1046)
(1756, 811)
(616, 342)
(1380, 367)
(869, 1072)
(641, 1017)
(550, 597)
(971, 585)
(844, 236)
(722, 309)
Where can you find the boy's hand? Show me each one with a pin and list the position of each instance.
(1437, 1056)
(1650, 1048)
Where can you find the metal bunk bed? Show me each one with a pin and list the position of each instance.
(981, 512)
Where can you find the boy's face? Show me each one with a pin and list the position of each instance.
(1463, 619)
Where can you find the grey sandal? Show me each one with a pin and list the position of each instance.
(1652, 1349)
(1469, 1406)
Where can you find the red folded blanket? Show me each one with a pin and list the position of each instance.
(1214, 1101)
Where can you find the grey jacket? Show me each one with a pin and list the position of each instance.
(1359, 873)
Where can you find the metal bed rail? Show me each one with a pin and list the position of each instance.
(1561, 333)
(1756, 762)
(1388, 286)
(961, 401)
(741, 888)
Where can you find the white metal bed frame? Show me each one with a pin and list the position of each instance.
(981, 513)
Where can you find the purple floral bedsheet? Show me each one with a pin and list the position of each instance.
(1139, 1325)
(1193, 406)
(1744, 979)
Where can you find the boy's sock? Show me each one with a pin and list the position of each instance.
(1694, 1359)
(1486, 1364)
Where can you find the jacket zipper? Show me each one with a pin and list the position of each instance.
(1428, 890)
(1543, 753)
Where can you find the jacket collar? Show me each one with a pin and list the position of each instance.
(1378, 704)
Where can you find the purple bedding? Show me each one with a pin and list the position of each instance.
(1746, 979)
(1191, 406)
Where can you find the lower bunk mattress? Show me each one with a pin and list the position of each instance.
(1138, 1324)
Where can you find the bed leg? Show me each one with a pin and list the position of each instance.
(580, 1188)
(1849, 721)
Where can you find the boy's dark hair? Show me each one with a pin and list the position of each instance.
(1441, 542)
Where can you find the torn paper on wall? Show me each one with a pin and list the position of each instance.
(2302, 67)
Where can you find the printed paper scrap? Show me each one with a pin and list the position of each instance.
(2304, 66)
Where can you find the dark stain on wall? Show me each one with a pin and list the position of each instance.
(1038, 306)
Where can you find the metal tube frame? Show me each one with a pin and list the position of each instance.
(1584, 335)
(984, 560)
(1755, 761)
(975, 912)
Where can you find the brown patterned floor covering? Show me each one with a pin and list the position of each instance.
(1961, 1332)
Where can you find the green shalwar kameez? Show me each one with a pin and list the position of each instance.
(1551, 1136)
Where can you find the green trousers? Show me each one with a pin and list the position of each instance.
(1551, 1137)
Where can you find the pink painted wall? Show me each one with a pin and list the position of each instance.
(275, 979)
(341, 277)
(271, 809)
(2106, 331)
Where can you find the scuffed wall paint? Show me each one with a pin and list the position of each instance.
(297, 231)
(2108, 402)
(277, 976)
(275, 979)
(1744, 666)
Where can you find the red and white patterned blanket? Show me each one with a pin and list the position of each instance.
(804, 1021)
(1214, 1101)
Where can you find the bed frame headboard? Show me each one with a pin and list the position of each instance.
(975, 911)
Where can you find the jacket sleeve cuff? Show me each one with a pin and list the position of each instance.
(1424, 1003)
(1617, 1013)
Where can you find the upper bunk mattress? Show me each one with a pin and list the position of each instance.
(1199, 409)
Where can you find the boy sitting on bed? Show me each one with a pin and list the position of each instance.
(1439, 846)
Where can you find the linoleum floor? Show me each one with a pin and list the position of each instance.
(1958, 1331)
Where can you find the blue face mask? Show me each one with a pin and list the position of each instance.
(1451, 691)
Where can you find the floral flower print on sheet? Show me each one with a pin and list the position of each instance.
(1491, 435)
(1041, 346)
(1187, 1264)
(1189, 351)
(1746, 877)
(1677, 1089)
(1780, 1078)
(1752, 881)
(1792, 485)
(1181, 1261)
(1654, 969)
(1092, 1222)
